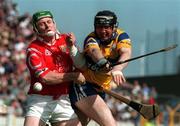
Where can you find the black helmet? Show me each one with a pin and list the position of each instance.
(105, 18)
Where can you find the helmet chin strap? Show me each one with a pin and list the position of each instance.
(106, 42)
(48, 34)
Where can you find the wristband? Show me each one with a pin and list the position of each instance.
(102, 62)
(77, 57)
(73, 50)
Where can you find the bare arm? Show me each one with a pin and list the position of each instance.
(118, 77)
(125, 54)
(95, 54)
(77, 57)
(56, 78)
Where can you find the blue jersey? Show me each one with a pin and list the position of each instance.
(111, 51)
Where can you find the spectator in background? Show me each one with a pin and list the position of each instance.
(12, 80)
(136, 88)
(152, 95)
(171, 112)
(145, 92)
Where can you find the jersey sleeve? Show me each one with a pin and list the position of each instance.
(36, 63)
(123, 41)
(90, 42)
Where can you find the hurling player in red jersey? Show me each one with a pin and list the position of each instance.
(49, 63)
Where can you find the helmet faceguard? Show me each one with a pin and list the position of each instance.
(105, 18)
(39, 15)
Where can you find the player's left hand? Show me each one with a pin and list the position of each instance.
(118, 77)
(71, 39)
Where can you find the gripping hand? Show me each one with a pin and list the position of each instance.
(71, 39)
(102, 65)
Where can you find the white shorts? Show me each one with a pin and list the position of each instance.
(47, 109)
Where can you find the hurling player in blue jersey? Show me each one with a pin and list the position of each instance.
(107, 44)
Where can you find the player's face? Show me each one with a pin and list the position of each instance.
(46, 25)
(104, 32)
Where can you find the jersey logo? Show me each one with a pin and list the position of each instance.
(47, 52)
(63, 48)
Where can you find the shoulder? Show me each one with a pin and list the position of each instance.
(91, 38)
(35, 47)
(62, 35)
(121, 34)
(119, 31)
(90, 35)
(122, 39)
(33, 43)
(61, 38)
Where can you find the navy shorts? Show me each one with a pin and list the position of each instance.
(77, 92)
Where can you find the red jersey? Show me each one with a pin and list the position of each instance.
(42, 58)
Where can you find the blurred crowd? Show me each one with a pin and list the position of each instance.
(15, 33)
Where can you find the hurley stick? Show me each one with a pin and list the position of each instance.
(147, 111)
(158, 51)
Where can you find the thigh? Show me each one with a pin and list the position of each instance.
(82, 117)
(95, 108)
(62, 111)
(77, 92)
(87, 99)
(37, 106)
(71, 122)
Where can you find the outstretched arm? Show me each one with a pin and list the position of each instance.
(118, 77)
(125, 54)
(53, 77)
(101, 63)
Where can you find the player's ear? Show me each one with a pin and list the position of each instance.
(55, 24)
(114, 29)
